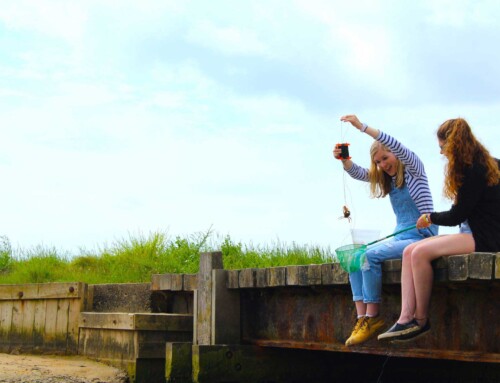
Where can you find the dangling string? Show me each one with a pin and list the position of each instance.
(346, 213)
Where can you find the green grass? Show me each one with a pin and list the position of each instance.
(136, 258)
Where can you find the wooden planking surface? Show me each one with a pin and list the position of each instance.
(174, 282)
(41, 291)
(456, 268)
(137, 321)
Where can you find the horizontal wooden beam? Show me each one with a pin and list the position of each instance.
(27, 291)
(138, 321)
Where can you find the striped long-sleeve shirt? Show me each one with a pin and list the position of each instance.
(414, 173)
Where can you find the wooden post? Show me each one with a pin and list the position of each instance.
(225, 311)
(203, 320)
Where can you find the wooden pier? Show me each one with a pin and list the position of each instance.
(283, 324)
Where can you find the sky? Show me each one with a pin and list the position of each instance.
(124, 118)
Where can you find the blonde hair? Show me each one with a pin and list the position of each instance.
(380, 181)
(462, 149)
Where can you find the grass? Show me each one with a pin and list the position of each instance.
(136, 258)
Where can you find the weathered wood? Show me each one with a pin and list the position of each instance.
(133, 342)
(481, 265)
(39, 325)
(35, 321)
(314, 275)
(250, 364)
(391, 271)
(178, 362)
(277, 276)
(233, 279)
(497, 266)
(296, 275)
(190, 282)
(117, 321)
(261, 278)
(41, 291)
(458, 266)
(137, 321)
(62, 322)
(332, 274)
(5, 318)
(208, 262)
(247, 278)
(322, 318)
(173, 282)
(225, 311)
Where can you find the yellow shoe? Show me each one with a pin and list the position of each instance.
(357, 326)
(367, 329)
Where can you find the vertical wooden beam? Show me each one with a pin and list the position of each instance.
(497, 266)
(178, 362)
(225, 311)
(208, 262)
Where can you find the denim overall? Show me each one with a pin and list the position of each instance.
(366, 284)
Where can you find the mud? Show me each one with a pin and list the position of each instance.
(56, 369)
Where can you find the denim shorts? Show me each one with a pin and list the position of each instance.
(465, 228)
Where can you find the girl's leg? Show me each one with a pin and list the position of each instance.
(407, 287)
(360, 308)
(408, 299)
(372, 309)
(372, 274)
(422, 256)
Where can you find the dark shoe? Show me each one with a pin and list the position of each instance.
(398, 330)
(414, 333)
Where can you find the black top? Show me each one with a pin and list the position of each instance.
(479, 204)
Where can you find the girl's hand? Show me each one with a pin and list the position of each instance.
(353, 120)
(424, 221)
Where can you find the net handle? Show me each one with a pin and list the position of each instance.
(392, 235)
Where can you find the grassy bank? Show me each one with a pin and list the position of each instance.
(134, 259)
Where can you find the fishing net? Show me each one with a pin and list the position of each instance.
(351, 257)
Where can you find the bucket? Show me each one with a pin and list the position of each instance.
(364, 236)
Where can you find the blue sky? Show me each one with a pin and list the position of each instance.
(129, 117)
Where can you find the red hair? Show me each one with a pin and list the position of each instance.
(462, 149)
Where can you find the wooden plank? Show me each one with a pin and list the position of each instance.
(9, 292)
(163, 322)
(208, 262)
(247, 278)
(39, 323)
(178, 362)
(151, 344)
(314, 275)
(391, 271)
(16, 339)
(244, 363)
(74, 310)
(171, 282)
(117, 321)
(27, 323)
(296, 275)
(458, 267)
(497, 266)
(40, 291)
(277, 276)
(481, 265)
(233, 279)
(5, 317)
(189, 282)
(225, 311)
(332, 274)
(62, 324)
(261, 278)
